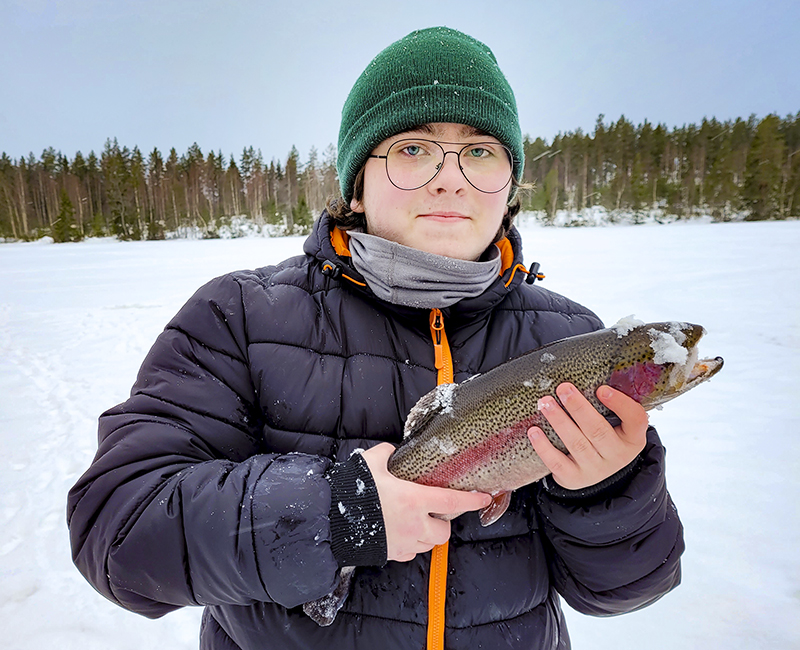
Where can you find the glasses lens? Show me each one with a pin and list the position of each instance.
(411, 164)
(486, 165)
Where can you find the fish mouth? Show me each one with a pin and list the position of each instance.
(693, 371)
(701, 371)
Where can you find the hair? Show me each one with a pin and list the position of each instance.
(345, 218)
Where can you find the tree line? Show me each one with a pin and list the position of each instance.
(728, 169)
(126, 194)
(739, 167)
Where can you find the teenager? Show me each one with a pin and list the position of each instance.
(234, 476)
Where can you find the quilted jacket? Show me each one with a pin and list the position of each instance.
(209, 485)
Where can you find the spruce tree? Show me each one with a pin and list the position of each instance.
(762, 183)
(64, 227)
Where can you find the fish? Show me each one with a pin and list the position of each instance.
(473, 435)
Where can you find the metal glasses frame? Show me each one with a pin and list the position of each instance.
(441, 164)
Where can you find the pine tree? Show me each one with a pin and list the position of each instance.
(790, 170)
(302, 217)
(64, 228)
(762, 184)
(8, 221)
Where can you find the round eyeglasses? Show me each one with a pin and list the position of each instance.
(413, 163)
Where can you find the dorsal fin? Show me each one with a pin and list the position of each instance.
(438, 401)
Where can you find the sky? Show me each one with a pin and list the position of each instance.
(272, 75)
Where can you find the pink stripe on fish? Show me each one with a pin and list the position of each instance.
(465, 461)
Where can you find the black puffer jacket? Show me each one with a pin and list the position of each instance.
(209, 484)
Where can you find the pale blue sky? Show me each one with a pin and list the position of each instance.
(164, 73)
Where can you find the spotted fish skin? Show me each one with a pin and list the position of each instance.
(473, 435)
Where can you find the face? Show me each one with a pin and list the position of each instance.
(447, 216)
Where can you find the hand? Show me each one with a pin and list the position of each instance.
(596, 449)
(407, 508)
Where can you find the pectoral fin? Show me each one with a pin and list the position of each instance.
(495, 509)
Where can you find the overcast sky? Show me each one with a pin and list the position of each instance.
(167, 73)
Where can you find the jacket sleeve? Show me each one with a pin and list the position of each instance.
(620, 553)
(182, 504)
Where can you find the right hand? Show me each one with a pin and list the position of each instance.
(407, 508)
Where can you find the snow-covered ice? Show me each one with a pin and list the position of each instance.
(77, 319)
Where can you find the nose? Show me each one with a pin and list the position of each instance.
(449, 178)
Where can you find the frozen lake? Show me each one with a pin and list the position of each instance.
(77, 319)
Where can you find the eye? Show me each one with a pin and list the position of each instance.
(412, 149)
(478, 152)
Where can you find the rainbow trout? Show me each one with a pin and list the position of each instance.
(473, 435)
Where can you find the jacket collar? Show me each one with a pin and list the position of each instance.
(329, 246)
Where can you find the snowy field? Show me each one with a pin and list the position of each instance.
(77, 319)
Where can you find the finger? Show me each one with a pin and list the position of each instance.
(444, 501)
(592, 424)
(557, 462)
(566, 428)
(633, 418)
(381, 452)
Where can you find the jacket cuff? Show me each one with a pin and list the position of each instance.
(613, 486)
(358, 534)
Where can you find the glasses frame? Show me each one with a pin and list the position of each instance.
(444, 156)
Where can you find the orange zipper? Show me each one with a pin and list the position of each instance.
(437, 584)
(441, 349)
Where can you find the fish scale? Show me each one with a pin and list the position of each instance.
(473, 435)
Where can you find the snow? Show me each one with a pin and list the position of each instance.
(444, 398)
(77, 319)
(625, 325)
(667, 347)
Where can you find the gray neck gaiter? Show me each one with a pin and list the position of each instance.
(407, 276)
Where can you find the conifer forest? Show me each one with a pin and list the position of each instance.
(743, 168)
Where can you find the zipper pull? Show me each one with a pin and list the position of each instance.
(437, 327)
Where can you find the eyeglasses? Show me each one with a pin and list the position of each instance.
(413, 163)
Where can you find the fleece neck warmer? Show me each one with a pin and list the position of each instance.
(406, 276)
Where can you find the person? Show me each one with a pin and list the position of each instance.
(249, 465)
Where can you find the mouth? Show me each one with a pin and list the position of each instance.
(704, 369)
(445, 216)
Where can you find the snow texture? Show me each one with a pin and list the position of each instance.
(667, 348)
(444, 398)
(76, 320)
(624, 325)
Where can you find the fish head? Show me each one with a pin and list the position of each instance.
(659, 361)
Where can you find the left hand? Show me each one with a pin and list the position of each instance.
(596, 449)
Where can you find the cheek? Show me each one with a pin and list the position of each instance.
(497, 208)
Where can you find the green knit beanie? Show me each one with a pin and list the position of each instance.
(431, 75)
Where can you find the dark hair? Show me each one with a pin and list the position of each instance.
(347, 219)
